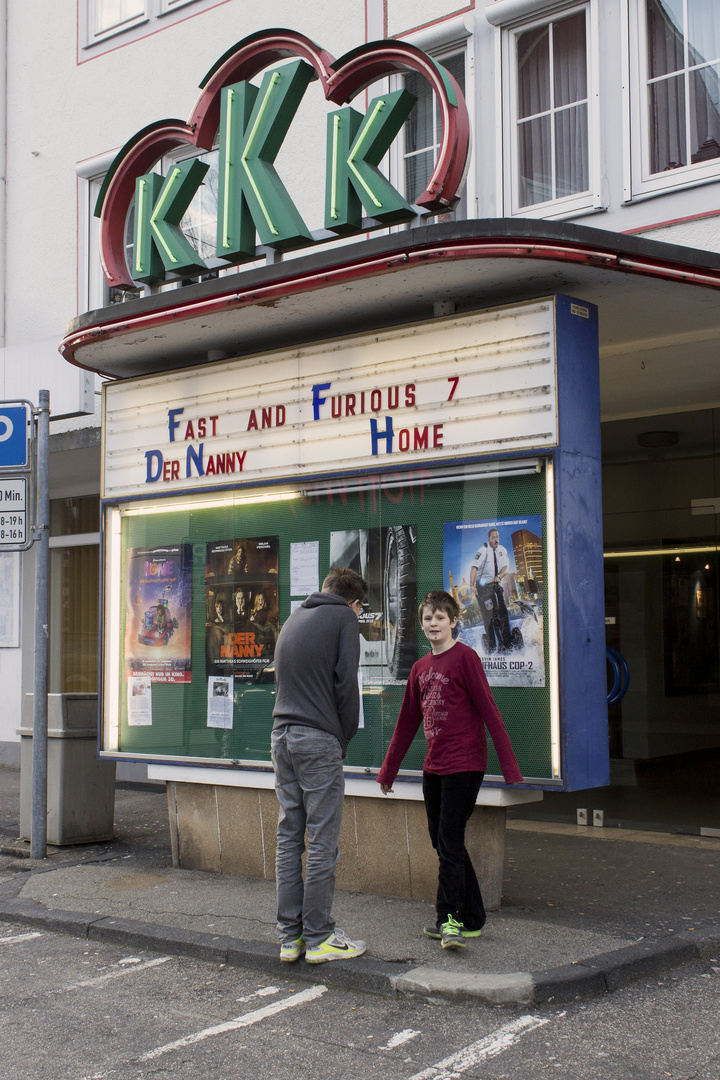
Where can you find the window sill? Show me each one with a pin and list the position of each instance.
(559, 210)
(116, 31)
(677, 180)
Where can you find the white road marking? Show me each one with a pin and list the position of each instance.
(19, 937)
(239, 1022)
(123, 973)
(492, 1045)
(399, 1038)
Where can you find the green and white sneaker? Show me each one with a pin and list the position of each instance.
(337, 947)
(292, 950)
(436, 934)
(451, 934)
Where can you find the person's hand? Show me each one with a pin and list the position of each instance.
(387, 789)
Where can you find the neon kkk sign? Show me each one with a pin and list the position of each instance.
(249, 125)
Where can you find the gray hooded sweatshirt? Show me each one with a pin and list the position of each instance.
(316, 668)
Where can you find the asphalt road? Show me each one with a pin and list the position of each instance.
(72, 1010)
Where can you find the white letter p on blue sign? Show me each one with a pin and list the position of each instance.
(13, 436)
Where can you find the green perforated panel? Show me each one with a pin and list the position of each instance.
(397, 537)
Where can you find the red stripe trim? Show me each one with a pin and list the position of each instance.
(672, 221)
(386, 264)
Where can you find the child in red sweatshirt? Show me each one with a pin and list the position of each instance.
(448, 691)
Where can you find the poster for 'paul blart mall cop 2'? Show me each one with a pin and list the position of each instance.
(494, 569)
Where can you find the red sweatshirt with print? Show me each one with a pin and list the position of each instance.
(450, 695)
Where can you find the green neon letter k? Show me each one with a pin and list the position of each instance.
(253, 124)
(356, 145)
(160, 203)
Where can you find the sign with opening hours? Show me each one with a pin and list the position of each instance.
(13, 511)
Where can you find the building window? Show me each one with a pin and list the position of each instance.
(74, 595)
(683, 84)
(106, 24)
(112, 14)
(549, 99)
(199, 223)
(677, 106)
(423, 130)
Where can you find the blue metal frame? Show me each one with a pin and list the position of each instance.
(578, 522)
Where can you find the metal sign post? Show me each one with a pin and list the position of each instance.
(24, 456)
(38, 834)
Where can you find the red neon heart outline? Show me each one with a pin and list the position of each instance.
(341, 81)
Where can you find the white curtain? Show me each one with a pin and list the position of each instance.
(422, 130)
(552, 76)
(667, 30)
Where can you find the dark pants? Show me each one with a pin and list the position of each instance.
(491, 601)
(449, 802)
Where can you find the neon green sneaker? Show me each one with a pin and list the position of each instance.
(292, 950)
(451, 934)
(436, 934)
(337, 947)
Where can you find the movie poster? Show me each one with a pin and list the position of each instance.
(241, 607)
(494, 569)
(386, 558)
(159, 613)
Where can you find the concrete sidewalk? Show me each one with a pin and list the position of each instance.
(584, 910)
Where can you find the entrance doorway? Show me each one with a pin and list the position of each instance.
(661, 499)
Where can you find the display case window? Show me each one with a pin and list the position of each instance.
(198, 588)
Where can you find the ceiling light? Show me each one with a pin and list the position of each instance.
(656, 440)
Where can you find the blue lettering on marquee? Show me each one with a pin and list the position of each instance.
(173, 424)
(194, 457)
(153, 458)
(317, 400)
(387, 435)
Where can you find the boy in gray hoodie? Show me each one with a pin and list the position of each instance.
(316, 714)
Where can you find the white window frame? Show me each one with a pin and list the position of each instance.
(641, 182)
(569, 206)
(447, 39)
(95, 34)
(92, 288)
(157, 15)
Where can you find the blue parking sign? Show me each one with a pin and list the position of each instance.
(13, 435)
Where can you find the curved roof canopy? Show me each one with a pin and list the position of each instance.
(659, 304)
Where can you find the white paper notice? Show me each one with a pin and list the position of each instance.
(220, 701)
(362, 711)
(139, 701)
(9, 599)
(304, 568)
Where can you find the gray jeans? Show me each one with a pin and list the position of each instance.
(310, 788)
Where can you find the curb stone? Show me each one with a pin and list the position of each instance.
(612, 970)
(438, 986)
(570, 982)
